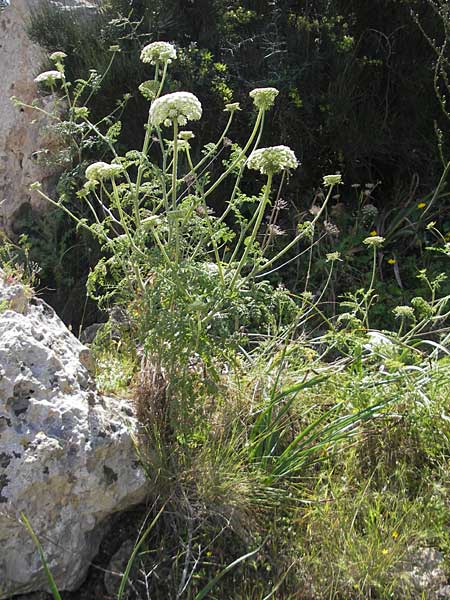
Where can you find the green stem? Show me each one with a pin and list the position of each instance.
(79, 222)
(437, 190)
(174, 189)
(256, 227)
(163, 79)
(369, 296)
(239, 158)
(105, 73)
(175, 164)
(216, 145)
(147, 138)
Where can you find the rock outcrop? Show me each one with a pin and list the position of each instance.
(19, 137)
(67, 459)
(22, 130)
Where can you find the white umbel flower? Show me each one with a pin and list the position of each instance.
(330, 180)
(58, 56)
(179, 106)
(263, 98)
(272, 160)
(186, 135)
(48, 77)
(158, 52)
(374, 240)
(102, 170)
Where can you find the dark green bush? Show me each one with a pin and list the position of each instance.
(356, 79)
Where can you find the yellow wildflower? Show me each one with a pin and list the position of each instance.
(385, 551)
(421, 205)
(391, 261)
(395, 535)
(373, 232)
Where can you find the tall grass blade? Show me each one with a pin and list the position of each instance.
(37, 543)
(266, 430)
(279, 584)
(136, 548)
(227, 569)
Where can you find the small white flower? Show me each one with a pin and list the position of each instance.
(232, 107)
(186, 135)
(263, 98)
(48, 77)
(102, 170)
(333, 256)
(273, 159)
(330, 180)
(179, 106)
(374, 240)
(58, 56)
(113, 170)
(158, 52)
(182, 145)
(403, 312)
(149, 89)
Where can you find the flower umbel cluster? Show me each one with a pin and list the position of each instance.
(179, 106)
(374, 240)
(48, 77)
(158, 52)
(263, 98)
(272, 160)
(102, 170)
(58, 56)
(186, 135)
(403, 312)
(232, 107)
(330, 180)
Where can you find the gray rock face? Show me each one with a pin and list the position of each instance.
(23, 131)
(19, 137)
(67, 459)
(423, 572)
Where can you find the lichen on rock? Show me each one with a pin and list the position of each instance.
(67, 458)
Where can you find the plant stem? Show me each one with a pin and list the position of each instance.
(239, 158)
(261, 209)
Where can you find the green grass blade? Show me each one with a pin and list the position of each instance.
(279, 584)
(136, 548)
(37, 543)
(266, 429)
(223, 572)
(315, 438)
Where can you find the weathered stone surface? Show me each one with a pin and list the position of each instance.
(19, 138)
(66, 454)
(23, 131)
(423, 574)
(75, 4)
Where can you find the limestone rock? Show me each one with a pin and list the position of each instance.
(75, 4)
(23, 132)
(19, 138)
(67, 459)
(423, 572)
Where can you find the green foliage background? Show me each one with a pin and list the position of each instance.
(356, 79)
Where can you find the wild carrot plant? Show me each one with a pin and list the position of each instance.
(244, 388)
